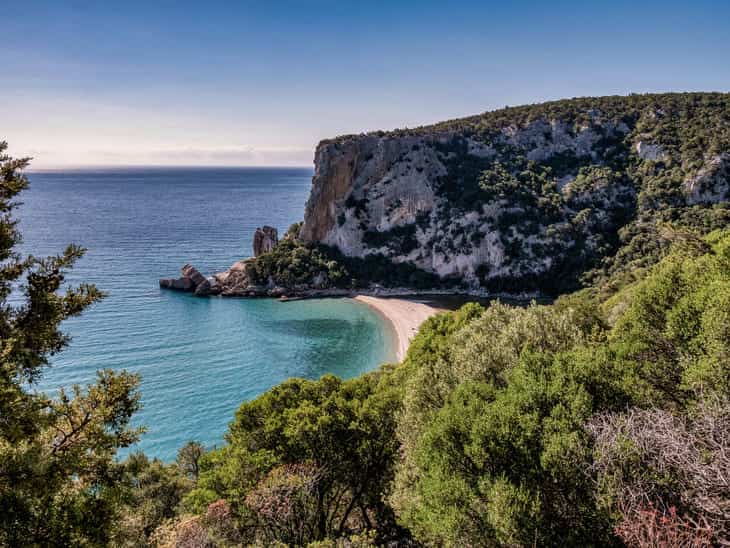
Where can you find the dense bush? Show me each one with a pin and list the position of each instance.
(308, 460)
(493, 425)
(293, 263)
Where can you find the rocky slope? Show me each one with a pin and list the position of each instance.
(512, 198)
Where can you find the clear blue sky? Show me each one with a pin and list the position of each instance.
(246, 83)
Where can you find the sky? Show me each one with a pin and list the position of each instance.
(261, 83)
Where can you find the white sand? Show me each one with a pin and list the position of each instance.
(405, 316)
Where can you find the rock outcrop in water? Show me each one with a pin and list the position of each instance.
(235, 281)
(191, 280)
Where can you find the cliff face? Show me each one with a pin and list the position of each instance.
(521, 193)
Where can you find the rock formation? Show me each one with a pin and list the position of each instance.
(712, 182)
(234, 281)
(264, 239)
(191, 280)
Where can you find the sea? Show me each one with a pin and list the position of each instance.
(199, 358)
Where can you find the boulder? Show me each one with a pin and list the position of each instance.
(264, 239)
(222, 277)
(238, 266)
(191, 280)
(204, 288)
(233, 281)
(277, 291)
(181, 284)
(166, 282)
(189, 271)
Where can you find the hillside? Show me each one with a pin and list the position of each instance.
(527, 198)
(592, 421)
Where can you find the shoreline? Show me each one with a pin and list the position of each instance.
(405, 316)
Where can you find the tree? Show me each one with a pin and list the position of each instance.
(321, 452)
(58, 477)
(153, 494)
(188, 459)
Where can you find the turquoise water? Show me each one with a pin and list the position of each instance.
(199, 358)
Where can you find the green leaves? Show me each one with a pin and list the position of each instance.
(339, 434)
(59, 483)
(493, 432)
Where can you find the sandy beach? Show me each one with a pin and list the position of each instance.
(405, 315)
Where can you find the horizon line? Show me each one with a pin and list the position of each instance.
(88, 167)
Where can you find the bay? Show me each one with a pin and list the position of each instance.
(199, 357)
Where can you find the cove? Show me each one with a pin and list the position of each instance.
(199, 358)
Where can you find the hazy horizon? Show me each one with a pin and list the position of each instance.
(246, 84)
(129, 167)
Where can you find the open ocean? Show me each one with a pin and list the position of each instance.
(199, 357)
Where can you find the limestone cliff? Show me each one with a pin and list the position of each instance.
(522, 194)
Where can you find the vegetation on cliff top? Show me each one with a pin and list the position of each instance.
(583, 111)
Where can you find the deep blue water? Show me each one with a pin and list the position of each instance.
(199, 358)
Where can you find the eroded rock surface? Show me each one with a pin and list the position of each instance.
(264, 240)
(418, 196)
(520, 200)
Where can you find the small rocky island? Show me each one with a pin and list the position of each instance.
(234, 281)
(239, 280)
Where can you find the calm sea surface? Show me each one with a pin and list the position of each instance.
(199, 358)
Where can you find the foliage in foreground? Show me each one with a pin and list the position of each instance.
(59, 482)
(502, 445)
(308, 460)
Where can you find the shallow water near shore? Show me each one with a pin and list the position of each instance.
(199, 358)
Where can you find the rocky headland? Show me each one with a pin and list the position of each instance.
(528, 200)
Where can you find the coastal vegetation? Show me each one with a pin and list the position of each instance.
(599, 419)
(60, 484)
(596, 420)
(294, 264)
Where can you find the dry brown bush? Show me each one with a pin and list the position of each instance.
(655, 465)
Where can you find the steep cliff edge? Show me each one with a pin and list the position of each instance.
(529, 197)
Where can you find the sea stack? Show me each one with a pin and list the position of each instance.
(264, 240)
